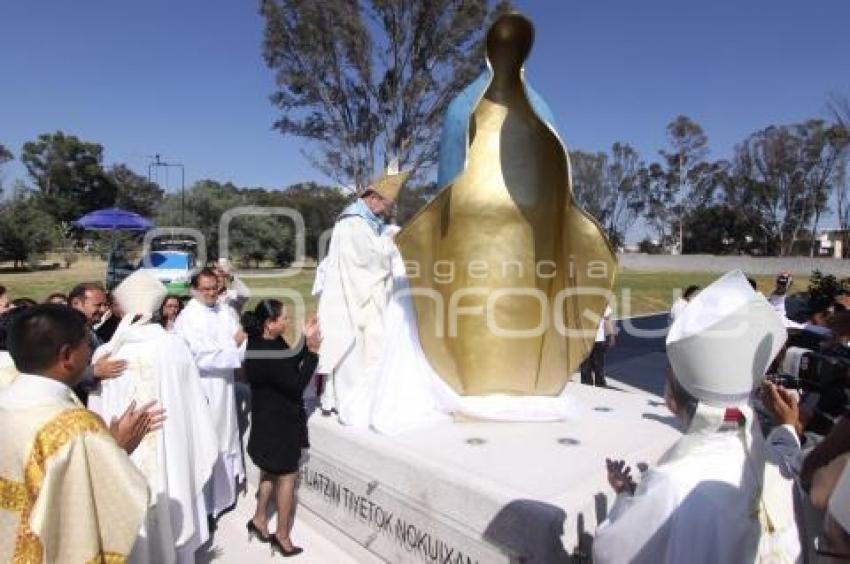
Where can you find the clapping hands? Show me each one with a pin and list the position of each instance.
(619, 476)
(129, 429)
(312, 334)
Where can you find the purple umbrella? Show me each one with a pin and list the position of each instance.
(114, 219)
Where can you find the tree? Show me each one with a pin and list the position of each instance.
(608, 188)
(5, 156)
(588, 175)
(658, 200)
(842, 202)
(412, 199)
(134, 192)
(688, 147)
(839, 108)
(319, 207)
(718, 229)
(824, 148)
(368, 81)
(69, 175)
(206, 202)
(25, 230)
(790, 171)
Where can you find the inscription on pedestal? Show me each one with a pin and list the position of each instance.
(383, 522)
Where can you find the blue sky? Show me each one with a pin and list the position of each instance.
(185, 78)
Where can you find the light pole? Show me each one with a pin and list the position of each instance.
(157, 162)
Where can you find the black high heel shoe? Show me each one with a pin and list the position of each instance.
(255, 532)
(276, 545)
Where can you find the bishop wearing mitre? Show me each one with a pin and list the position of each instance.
(178, 460)
(355, 288)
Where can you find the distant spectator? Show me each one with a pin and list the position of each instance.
(169, 310)
(784, 281)
(108, 326)
(237, 294)
(57, 298)
(89, 298)
(4, 300)
(680, 304)
(593, 367)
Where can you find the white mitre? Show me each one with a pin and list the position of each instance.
(721, 344)
(839, 501)
(140, 294)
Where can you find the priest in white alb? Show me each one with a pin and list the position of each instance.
(217, 343)
(356, 287)
(68, 491)
(177, 461)
(714, 496)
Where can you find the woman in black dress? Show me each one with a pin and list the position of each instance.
(277, 376)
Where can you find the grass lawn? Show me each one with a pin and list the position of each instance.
(637, 292)
(649, 292)
(40, 284)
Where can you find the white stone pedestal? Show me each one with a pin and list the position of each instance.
(481, 492)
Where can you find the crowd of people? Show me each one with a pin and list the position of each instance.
(118, 419)
(120, 409)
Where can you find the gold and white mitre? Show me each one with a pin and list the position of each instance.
(389, 184)
(724, 340)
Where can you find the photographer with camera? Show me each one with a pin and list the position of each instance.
(807, 402)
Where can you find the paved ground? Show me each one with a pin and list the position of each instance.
(230, 544)
(639, 359)
(321, 543)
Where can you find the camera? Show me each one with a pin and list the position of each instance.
(823, 380)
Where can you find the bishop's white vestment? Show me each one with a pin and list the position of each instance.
(209, 332)
(178, 459)
(710, 499)
(68, 492)
(355, 293)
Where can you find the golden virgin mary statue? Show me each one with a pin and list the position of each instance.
(509, 276)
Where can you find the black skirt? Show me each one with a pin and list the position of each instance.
(278, 419)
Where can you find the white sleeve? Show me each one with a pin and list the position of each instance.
(209, 354)
(238, 294)
(637, 525)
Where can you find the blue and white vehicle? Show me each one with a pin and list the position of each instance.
(172, 268)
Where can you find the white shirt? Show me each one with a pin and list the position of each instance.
(600, 333)
(209, 332)
(678, 306)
